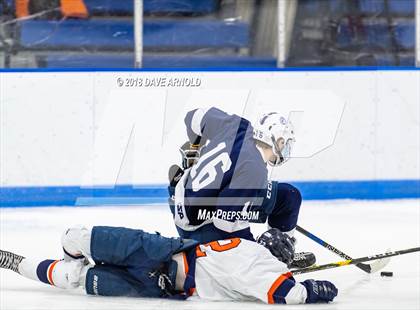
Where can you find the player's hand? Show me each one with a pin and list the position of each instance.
(279, 244)
(190, 154)
(319, 291)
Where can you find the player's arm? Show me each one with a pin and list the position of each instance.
(203, 124)
(285, 290)
(194, 122)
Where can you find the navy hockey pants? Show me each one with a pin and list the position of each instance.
(281, 206)
(129, 262)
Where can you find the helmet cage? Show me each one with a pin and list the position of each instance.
(282, 155)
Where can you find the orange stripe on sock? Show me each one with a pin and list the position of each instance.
(22, 8)
(50, 272)
(276, 285)
(74, 8)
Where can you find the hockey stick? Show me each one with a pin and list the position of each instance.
(353, 261)
(369, 268)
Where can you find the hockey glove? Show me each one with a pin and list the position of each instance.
(319, 291)
(190, 154)
(279, 244)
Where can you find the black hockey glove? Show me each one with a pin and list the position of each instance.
(175, 174)
(279, 244)
(319, 291)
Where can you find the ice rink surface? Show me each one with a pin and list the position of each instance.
(359, 228)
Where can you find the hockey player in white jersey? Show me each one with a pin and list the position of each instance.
(128, 262)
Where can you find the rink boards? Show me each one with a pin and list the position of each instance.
(88, 138)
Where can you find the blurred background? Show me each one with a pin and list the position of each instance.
(206, 33)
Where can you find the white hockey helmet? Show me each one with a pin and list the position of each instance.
(269, 129)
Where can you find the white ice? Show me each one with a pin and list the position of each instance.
(359, 228)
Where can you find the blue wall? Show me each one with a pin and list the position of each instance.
(129, 195)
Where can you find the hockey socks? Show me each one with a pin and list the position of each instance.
(59, 273)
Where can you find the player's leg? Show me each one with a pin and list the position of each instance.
(59, 273)
(104, 280)
(146, 257)
(122, 247)
(286, 206)
(282, 206)
(107, 280)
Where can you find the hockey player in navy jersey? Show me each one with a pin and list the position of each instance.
(224, 182)
(116, 261)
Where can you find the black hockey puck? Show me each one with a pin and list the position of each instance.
(387, 274)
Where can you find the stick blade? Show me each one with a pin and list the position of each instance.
(379, 264)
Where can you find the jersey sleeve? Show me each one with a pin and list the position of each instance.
(285, 290)
(266, 278)
(270, 281)
(203, 124)
(193, 121)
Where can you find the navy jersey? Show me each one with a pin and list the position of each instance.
(229, 179)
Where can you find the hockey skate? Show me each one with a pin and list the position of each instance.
(303, 260)
(10, 260)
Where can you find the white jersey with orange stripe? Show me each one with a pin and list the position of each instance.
(239, 269)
